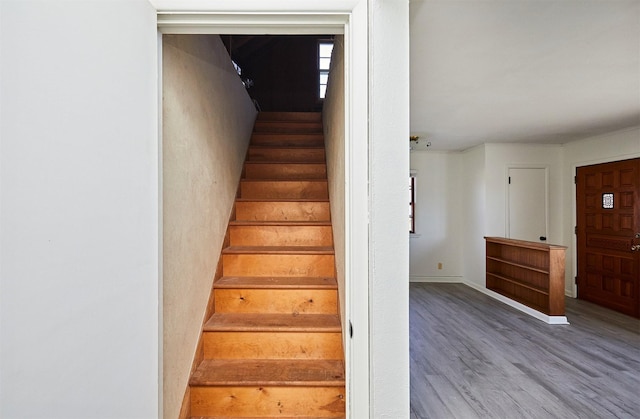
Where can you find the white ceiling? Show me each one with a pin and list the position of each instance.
(534, 71)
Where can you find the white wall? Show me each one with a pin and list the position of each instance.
(473, 215)
(79, 212)
(619, 145)
(207, 122)
(388, 234)
(333, 114)
(439, 204)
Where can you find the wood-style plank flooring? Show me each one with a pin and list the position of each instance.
(474, 357)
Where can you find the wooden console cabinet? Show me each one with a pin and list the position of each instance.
(530, 273)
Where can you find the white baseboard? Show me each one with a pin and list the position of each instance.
(441, 279)
(527, 310)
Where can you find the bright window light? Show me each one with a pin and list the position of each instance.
(324, 63)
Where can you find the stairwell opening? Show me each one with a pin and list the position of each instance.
(200, 163)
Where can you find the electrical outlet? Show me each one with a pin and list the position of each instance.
(439, 265)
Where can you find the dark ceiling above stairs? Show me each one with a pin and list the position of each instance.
(283, 70)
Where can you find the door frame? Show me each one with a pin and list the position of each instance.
(348, 17)
(574, 211)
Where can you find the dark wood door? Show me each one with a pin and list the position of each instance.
(608, 216)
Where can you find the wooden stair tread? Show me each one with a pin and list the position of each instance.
(303, 135)
(268, 372)
(261, 282)
(284, 163)
(289, 116)
(258, 180)
(286, 147)
(282, 199)
(278, 250)
(258, 417)
(261, 322)
(279, 223)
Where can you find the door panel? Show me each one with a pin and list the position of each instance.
(527, 203)
(608, 216)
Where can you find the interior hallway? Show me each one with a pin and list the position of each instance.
(474, 357)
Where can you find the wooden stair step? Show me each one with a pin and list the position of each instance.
(286, 139)
(285, 223)
(278, 250)
(293, 147)
(286, 154)
(267, 209)
(260, 417)
(266, 401)
(258, 282)
(284, 200)
(262, 125)
(272, 336)
(259, 188)
(252, 322)
(289, 116)
(278, 235)
(267, 372)
(294, 262)
(276, 301)
(283, 170)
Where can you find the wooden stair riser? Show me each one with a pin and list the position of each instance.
(260, 235)
(268, 401)
(272, 345)
(281, 301)
(292, 154)
(282, 211)
(311, 189)
(277, 265)
(289, 116)
(287, 140)
(284, 138)
(285, 171)
(296, 127)
(257, 282)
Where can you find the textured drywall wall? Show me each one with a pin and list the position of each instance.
(207, 123)
(334, 136)
(79, 210)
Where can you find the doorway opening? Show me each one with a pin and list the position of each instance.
(353, 153)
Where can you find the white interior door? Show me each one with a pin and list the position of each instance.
(527, 201)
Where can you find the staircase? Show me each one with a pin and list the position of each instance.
(273, 346)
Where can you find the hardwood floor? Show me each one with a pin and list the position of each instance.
(474, 357)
